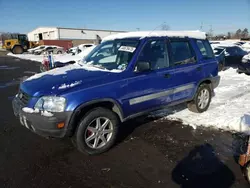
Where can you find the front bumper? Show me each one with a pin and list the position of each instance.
(244, 68)
(42, 125)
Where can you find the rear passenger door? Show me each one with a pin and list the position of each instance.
(187, 70)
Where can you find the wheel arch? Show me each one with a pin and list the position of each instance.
(82, 109)
(204, 81)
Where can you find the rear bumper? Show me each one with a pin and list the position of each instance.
(215, 81)
(42, 125)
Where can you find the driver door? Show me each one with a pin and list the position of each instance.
(153, 88)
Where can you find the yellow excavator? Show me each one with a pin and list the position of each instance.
(18, 44)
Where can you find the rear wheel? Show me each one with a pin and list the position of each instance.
(59, 52)
(17, 50)
(201, 100)
(97, 131)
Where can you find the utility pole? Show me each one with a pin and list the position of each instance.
(201, 27)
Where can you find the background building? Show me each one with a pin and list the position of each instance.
(76, 35)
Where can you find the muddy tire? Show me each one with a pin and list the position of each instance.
(17, 50)
(97, 131)
(201, 100)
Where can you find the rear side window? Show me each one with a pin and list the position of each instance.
(182, 52)
(205, 49)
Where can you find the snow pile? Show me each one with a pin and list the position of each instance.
(229, 109)
(69, 57)
(31, 57)
(46, 113)
(142, 34)
(63, 58)
(30, 110)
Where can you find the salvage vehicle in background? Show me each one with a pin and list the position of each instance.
(51, 49)
(78, 49)
(140, 72)
(244, 66)
(233, 55)
(220, 56)
(18, 44)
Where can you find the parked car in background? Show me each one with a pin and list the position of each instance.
(233, 54)
(136, 73)
(78, 49)
(51, 49)
(65, 59)
(220, 56)
(32, 50)
(244, 66)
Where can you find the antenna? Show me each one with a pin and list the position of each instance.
(156, 28)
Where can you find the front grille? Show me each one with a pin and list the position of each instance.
(23, 97)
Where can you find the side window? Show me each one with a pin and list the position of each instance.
(231, 51)
(208, 48)
(182, 52)
(205, 49)
(155, 52)
(201, 48)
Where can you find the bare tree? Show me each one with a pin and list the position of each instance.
(245, 33)
(238, 34)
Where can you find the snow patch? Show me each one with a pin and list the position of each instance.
(64, 70)
(64, 86)
(46, 113)
(30, 110)
(229, 109)
(142, 34)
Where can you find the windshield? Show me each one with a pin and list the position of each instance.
(115, 54)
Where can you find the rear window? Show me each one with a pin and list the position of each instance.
(205, 49)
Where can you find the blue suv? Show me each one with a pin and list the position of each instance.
(127, 75)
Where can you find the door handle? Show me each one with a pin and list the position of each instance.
(167, 75)
(199, 68)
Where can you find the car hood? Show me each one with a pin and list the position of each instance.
(59, 80)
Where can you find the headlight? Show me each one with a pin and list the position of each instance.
(244, 60)
(51, 104)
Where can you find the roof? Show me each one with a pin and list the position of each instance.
(142, 34)
(77, 29)
(88, 29)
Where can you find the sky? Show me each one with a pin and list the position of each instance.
(221, 15)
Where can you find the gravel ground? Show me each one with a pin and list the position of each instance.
(150, 152)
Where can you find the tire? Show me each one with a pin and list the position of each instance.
(194, 105)
(247, 172)
(59, 52)
(87, 129)
(17, 50)
(220, 67)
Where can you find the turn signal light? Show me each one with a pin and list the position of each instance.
(60, 125)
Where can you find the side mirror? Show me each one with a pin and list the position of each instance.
(142, 66)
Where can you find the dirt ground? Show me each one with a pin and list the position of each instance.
(150, 152)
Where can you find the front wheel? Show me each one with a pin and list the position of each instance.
(201, 100)
(97, 131)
